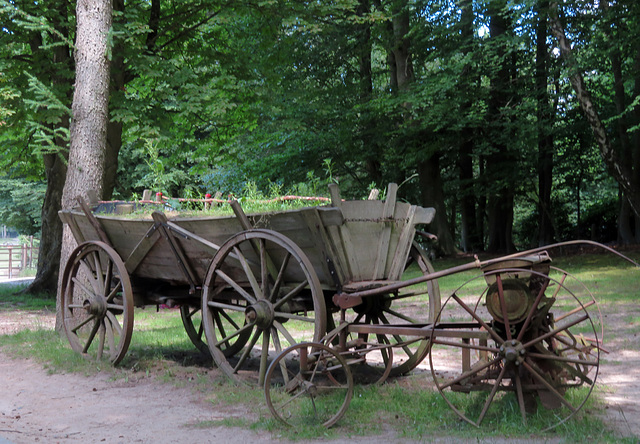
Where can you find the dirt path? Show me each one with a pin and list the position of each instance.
(70, 408)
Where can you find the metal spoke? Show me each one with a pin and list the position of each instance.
(473, 314)
(468, 373)
(549, 387)
(492, 394)
(503, 306)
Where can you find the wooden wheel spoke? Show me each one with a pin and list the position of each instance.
(279, 279)
(226, 339)
(281, 314)
(92, 335)
(107, 277)
(264, 355)
(241, 291)
(229, 319)
(255, 286)
(278, 347)
(114, 323)
(101, 334)
(218, 322)
(298, 288)
(82, 323)
(111, 340)
(83, 287)
(216, 304)
(264, 271)
(284, 333)
(98, 273)
(247, 350)
(399, 315)
(549, 387)
(112, 294)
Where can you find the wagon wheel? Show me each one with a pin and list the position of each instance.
(531, 344)
(97, 302)
(417, 304)
(308, 383)
(192, 321)
(267, 290)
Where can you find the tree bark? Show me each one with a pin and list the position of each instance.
(90, 110)
(545, 137)
(470, 238)
(501, 163)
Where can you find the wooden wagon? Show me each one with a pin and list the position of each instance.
(298, 300)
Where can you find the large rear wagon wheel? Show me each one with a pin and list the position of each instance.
(265, 290)
(528, 344)
(97, 302)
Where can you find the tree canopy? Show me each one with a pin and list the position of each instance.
(519, 121)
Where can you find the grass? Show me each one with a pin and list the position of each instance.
(407, 406)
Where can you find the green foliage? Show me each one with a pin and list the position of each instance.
(21, 205)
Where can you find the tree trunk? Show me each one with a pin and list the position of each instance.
(46, 279)
(433, 196)
(501, 163)
(470, 238)
(545, 137)
(86, 169)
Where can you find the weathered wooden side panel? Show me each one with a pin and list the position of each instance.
(357, 240)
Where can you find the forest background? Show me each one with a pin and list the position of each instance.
(519, 121)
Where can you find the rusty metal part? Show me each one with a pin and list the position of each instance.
(308, 382)
(537, 357)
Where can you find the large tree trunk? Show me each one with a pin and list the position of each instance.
(621, 171)
(470, 237)
(86, 169)
(46, 279)
(501, 163)
(545, 136)
(433, 196)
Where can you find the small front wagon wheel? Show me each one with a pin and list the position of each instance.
(308, 383)
(97, 302)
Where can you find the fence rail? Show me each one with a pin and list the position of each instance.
(15, 258)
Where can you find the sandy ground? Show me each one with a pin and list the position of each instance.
(36, 407)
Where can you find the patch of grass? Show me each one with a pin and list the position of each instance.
(11, 299)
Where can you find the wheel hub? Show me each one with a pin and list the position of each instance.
(262, 313)
(513, 352)
(95, 305)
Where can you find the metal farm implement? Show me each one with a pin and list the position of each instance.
(305, 301)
